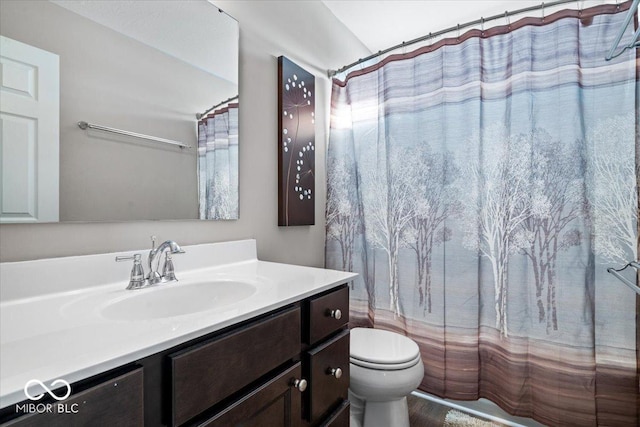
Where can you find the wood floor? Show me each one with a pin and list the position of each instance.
(425, 413)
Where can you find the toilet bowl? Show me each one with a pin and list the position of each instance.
(384, 368)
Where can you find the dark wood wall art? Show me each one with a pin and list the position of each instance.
(296, 144)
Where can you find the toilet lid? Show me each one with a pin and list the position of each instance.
(382, 347)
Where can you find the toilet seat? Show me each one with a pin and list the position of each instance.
(382, 350)
(385, 366)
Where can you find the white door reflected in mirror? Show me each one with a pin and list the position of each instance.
(29, 137)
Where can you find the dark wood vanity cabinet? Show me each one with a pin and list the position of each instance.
(286, 368)
(310, 341)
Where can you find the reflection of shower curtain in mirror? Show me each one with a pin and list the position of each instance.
(481, 187)
(218, 164)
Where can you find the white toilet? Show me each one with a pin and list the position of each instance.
(385, 367)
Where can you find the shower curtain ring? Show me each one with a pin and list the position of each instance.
(482, 25)
(542, 6)
(507, 19)
(458, 36)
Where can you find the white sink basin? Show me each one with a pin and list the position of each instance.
(177, 299)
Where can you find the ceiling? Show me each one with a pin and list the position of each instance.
(380, 24)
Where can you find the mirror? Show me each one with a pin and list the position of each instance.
(146, 68)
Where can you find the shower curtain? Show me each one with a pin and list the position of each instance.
(218, 164)
(481, 186)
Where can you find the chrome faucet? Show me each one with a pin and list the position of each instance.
(168, 273)
(138, 280)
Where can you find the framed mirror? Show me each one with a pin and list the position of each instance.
(141, 76)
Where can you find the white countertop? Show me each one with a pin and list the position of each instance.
(64, 335)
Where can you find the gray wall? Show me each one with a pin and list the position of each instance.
(113, 80)
(314, 39)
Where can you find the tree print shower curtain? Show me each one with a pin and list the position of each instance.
(481, 186)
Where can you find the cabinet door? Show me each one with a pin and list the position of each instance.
(117, 402)
(275, 404)
(328, 377)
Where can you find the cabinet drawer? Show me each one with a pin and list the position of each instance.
(275, 404)
(322, 314)
(326, 392)
(117, 402)
(204, 374)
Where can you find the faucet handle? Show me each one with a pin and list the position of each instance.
(136, 281)
(134, 257)
(168, 272)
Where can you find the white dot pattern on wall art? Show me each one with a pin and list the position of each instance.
(298, 178)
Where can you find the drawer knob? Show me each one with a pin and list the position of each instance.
(336, 372)
(300, 384)
(336, 314)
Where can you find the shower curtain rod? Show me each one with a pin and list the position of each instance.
(458, 27)
(201, 115)
(616, 273)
